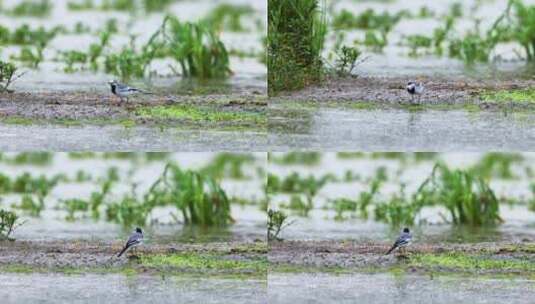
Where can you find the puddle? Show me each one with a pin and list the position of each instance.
(400, 130)
(119, 138)
(58, 288)
(389, 288)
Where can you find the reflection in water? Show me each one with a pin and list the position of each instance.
(399, 289)
(399, 130)
(90, 288)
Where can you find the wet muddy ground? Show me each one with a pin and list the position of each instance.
(67, 121)
(94, 256)
(392, 91)
(90, 106)
(349, 256)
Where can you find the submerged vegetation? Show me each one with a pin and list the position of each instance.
(8, 223)
(195, 47)
(277, 221)
(468, 198)
(200, 199)
(462, 197)
(193, 198)
(298, 31)
(7, 75)
(34, 8)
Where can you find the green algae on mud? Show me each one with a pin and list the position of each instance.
(508, 260)
(163, 264)
(204, 262)
(160, 117)
(517, 96)
(461, 262)
(199, 114)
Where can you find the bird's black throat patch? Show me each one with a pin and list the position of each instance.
(113, 87)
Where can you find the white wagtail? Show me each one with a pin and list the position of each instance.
(403, 240)
(123, 91)
(415, 88)
(135, 239)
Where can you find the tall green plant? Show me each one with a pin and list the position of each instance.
(8, 223)
(200, 198)
(467, 197)
(296, 36)
(197, 48)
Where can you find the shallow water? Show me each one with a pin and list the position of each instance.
(91, 288)
(389, 288)
(249, 73)
(394, 60)
(320, 223)
(332, 129)
(118, 138)
(51, 225)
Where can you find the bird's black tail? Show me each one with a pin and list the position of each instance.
(122, 251)
(391, 249)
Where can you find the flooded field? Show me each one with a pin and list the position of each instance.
(92, 288)
(395, 58)
(66, 56)
(51, 224)
(334, 217)
(73, 213)
(394, 288)
(119, 138)
(351, 177)
(336, 128)
(477, 80)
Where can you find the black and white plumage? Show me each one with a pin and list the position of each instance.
(123, 91)
(403, 240)
(134, 240)
(415, 88)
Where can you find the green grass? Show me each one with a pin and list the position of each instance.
(197, 114)
(497, 165)
(198, 197)
(33, 8)
(297, 158)
(523, 96)
(228, 17)
(228, 165)
(9, 221)
(467, 196)
(197, 48)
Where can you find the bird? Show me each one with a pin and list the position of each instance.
(415, 88)
(403, 240)
(135, 239)
(123, 91)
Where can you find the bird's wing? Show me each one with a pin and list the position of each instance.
(402, 240)
(134, 239)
